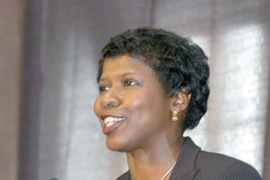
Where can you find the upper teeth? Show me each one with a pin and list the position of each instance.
(112, 119)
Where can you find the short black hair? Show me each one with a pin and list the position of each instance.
(177, 61)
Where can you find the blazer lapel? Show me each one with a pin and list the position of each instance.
(185, 166)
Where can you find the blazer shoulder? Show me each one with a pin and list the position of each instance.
(221, 167)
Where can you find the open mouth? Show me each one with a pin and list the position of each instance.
(111, 123)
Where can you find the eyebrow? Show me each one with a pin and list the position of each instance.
(122, 75)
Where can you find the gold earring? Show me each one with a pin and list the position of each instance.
(174, 116)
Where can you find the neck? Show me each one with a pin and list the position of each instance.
(155, 162)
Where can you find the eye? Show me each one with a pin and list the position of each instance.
(130, 82)
(103, 88)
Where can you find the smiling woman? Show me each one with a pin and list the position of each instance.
(153, 86)
(135, 92)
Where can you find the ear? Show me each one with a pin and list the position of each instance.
(180, 101)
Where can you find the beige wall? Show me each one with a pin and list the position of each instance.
(11, 31)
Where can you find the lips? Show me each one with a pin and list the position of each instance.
(111, 123)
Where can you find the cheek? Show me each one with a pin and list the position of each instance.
(137, 104)
(151, 105)
(142, 101)
(95, 106)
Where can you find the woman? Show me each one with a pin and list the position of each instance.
(153, 86)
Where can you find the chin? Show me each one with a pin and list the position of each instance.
(115, 146)
(118, 149)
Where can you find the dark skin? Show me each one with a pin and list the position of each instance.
(142, 112)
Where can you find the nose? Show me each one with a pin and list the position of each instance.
(110, 98)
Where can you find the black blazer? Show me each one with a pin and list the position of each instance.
(195, 164)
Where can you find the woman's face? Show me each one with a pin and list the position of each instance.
(132, 106)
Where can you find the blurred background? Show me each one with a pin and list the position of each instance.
(49, 51)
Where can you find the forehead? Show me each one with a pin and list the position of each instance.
(123, 60)
(124, 64)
